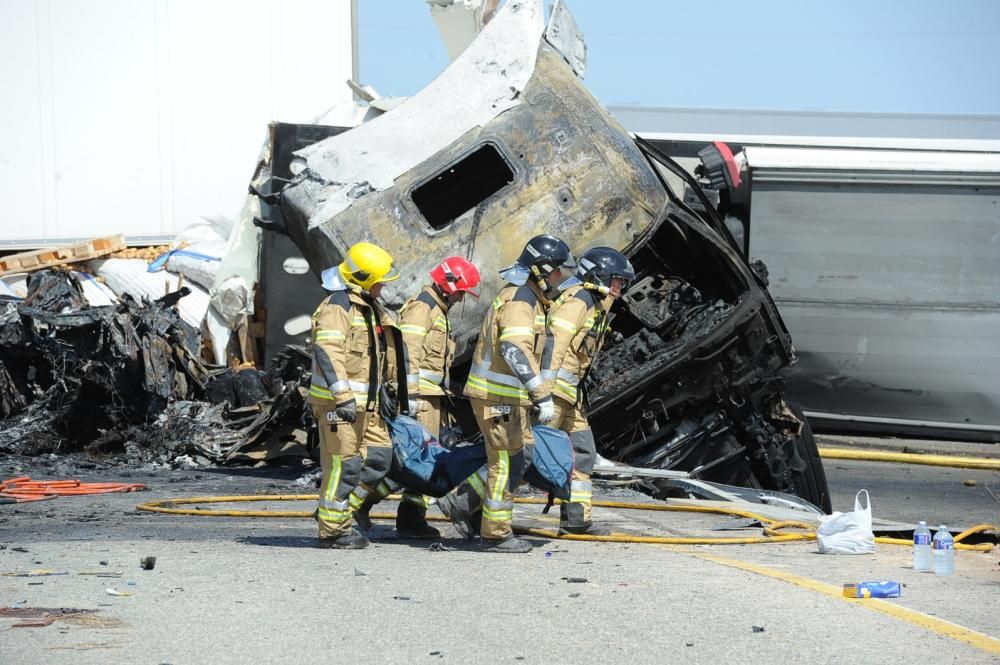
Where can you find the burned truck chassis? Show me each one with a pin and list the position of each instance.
(743, 434)
(689, 378)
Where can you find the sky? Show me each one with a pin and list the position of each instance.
(879, 56)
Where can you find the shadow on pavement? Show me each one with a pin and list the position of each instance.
(380, 537)
(279, 541)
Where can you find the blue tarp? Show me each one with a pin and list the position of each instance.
(422, 465)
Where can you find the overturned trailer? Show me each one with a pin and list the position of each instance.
(507, 143)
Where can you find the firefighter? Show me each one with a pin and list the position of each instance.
(427, 334)
(347, 366)
(575, 330)
(426, 337)
(505, 382)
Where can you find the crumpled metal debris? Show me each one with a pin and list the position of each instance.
(127, 378)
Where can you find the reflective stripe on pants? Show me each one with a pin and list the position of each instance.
(341, 459)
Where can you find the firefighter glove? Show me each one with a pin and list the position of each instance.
(546, 410)
(347, 411)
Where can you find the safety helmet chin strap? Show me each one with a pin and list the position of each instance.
(603, 290)
(441, 294)
(540, 279)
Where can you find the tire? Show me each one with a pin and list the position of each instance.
(810, 483)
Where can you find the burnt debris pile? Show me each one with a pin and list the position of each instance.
(126, 381)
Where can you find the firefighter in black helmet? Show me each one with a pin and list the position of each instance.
(505, 382)
(577, 323)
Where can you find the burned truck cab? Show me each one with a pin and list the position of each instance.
(506, 144)
(689, 378)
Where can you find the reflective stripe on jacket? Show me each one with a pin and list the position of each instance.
(426, 333)
(574, 332)
(342, 353)
(517, 316)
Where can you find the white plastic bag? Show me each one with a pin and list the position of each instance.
(848, 533)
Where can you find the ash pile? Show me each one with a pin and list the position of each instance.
(125, 383)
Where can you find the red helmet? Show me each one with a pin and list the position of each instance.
(456, 274)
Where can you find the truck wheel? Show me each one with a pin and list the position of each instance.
(810, 483)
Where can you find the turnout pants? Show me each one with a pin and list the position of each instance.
(353, 456)
(507, 429)
(571, 419)
(429, 413)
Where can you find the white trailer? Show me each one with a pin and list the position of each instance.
(885, 265)
(136, 116)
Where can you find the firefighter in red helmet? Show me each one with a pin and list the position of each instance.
(427, 334)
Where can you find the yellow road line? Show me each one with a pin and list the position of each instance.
(933, 624)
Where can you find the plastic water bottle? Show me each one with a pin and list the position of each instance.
(944, 552)
(922, 548)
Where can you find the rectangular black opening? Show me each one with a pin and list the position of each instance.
(462, 186)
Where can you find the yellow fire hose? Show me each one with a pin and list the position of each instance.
(954, 461)
(771, 526)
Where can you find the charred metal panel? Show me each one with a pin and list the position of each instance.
(576, 174)
(563, 33)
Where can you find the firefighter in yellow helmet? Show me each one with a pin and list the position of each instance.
(575, 331)
(348, 364)
(505, 382)
(426, 335)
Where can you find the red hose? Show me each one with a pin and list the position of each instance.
(23, 489)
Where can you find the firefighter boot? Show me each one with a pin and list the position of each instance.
(456, 508)
(572, 521)
(411, 521)
(361, 516)
(352, 540)
(509, 545)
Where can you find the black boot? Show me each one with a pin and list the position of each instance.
(352, 540)
(585, 529)
(509, 545)
(411, 522)
(465, 522)
(361, 515)
(571, 522)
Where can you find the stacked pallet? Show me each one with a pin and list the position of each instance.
(57, 256)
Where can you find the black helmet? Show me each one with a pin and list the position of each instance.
(599, 265)
(544, 254)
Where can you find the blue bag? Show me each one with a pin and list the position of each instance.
(424, 466)
(551, 465)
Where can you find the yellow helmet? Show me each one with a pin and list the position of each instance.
(366, 265)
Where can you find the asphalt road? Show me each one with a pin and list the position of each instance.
(910, 493)
(234, 590)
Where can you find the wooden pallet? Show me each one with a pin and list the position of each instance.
(54, 256)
